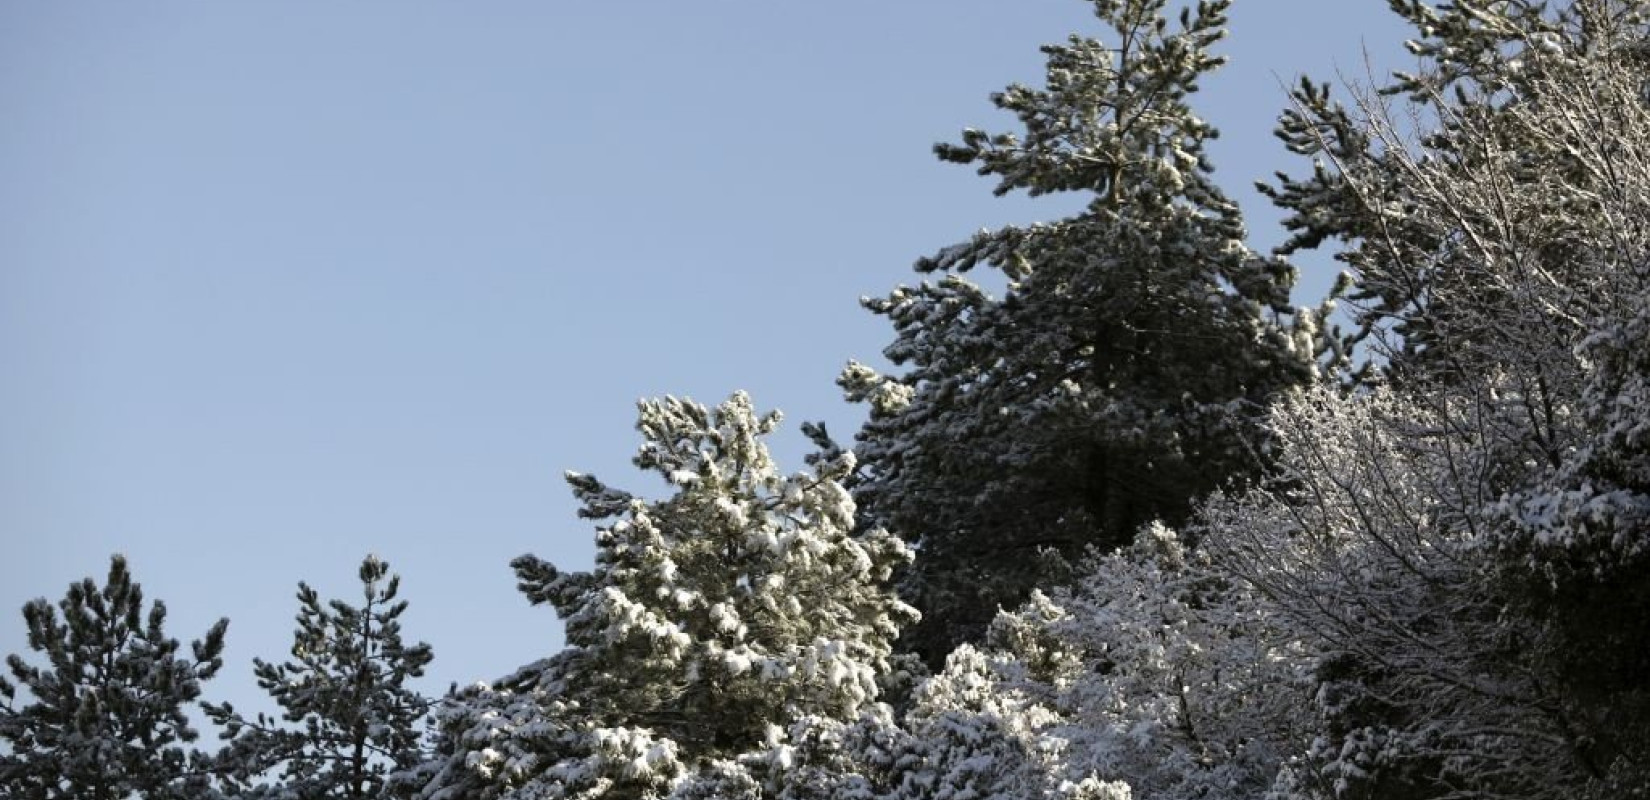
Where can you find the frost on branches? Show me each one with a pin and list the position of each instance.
(712, 620)
(1435, 677)
(1153, 677)
(1155, 671)
(1117, 379)
(970, 733)
(1166, 674)
(1499, 267)
(1369, 543)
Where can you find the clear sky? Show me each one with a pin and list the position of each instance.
(282, 284)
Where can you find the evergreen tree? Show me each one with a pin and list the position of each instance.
(346, 689)
(1120, 375)
(108, 716)
(712, 621)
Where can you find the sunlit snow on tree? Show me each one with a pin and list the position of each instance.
(712, 620)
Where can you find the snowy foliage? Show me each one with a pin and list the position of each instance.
(1118, 377)
(1370, 543)
(1150, 677)
(743, 602)
(978, 738)
(346, 689)
(1165, 673)
(1426, 577)
(970, 734)
(108, 717)
(1443, 672)
(1151, 671)
(1494, 502)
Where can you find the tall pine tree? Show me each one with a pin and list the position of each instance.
(108, 718)
(346, 689)
(1120, 375)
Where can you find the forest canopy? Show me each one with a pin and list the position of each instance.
(1132, 526)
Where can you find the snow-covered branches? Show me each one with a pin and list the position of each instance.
(1165, 559)
(741, 603)
(1118, 378)
(1499, 490)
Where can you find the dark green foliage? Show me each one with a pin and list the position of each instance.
(108, 718)
(346, 690)
(1120, 377)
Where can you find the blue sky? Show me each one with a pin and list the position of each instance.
(282, 284)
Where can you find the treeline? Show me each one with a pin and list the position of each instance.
(1138, 528)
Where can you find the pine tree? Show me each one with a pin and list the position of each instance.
(712, 620)
(108, 718)
(346, 689)
(1118, 377)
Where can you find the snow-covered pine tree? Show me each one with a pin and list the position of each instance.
(712, 620)
(1118, 377)
(107, 716)
(346, 690)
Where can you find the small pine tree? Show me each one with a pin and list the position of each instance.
(108, 719)
(712, 620)
(346, 688)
